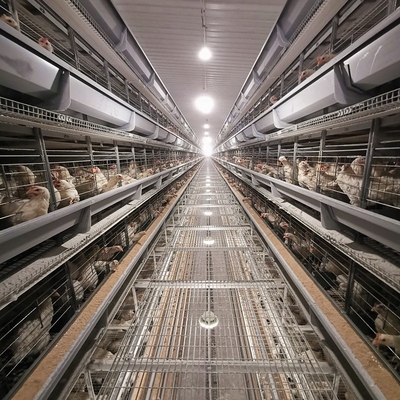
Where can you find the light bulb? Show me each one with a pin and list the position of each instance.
(206, 126)
(204, 104)
(207, 213)
(209, 241)
(205, 53)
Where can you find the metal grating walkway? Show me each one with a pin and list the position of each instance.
(260, 348)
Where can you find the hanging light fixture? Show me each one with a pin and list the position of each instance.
(205, 54)
(204, 103)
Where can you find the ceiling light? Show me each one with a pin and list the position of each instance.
(207, 151)
(205, 53)
(204, 104)
(207, 180)
(208, 241)
(206, 126)
(208, 190)
(207, 184)
(208, 320)
(206, 133)
(208, 213)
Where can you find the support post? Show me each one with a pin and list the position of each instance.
(117, 156)
(372, 141)
(107, 74)
(41, 147)
(74, 47)
(322, 144)
(301, 63)
(335, 24)
(13, 12)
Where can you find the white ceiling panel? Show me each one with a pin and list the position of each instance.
(171, 35)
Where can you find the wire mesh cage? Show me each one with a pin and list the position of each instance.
(370, 303)
(208, 269)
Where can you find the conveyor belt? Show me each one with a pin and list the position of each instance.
(261, 347)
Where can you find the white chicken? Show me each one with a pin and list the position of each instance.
(69, 195)
(112, 182)
(103, 259)
(273, 99)
(36, 205)
(303, 75)
(326, 176)
(306, 176)
(322, 60)
(386, 321)
(103, 266)
(287, 169)
(107, 253)
(88, 277)
(135, 226)
(9, 21)
(100, 179)
(272, 218)
(57, 194)
(358, 293)
(78, 290)
(131, 170)
(32, 335)
(23, 177)
(112, 170)
(357, 165)
(45, 43)
(385, 189)
(299, 245)
(350, 184)
(383, 339)
(127, 180)
(137, 236)
(145, 173)
(330, 266)
(268, 170)
(62, 173)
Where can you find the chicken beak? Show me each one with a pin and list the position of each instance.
(30, 190)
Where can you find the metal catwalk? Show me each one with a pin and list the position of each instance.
(210, 267)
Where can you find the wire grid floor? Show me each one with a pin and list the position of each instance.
(257, 350)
